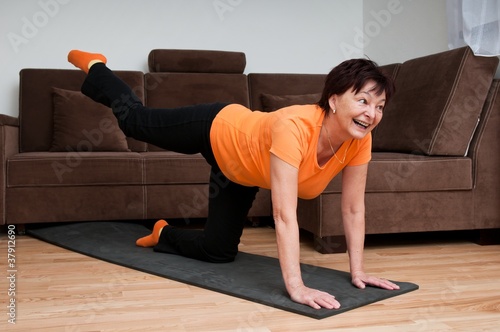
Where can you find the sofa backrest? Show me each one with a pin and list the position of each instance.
(269, 92)
(36, 103)
(435, 110)
(188, 77)
(437, 104)
(390, 70)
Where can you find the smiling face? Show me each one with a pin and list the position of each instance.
(356, 113)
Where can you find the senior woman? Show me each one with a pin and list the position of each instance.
(294, 152)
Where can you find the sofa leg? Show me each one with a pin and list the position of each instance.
(330, 244)
(21, 229)
(488, 236)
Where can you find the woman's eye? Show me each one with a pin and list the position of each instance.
(362, 101)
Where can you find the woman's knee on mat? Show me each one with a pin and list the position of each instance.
(219, 253)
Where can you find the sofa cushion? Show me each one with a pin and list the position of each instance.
(395, 172)
(403, 172)
(196, 61)
(437, 104)
(40, 169)
(272, 103)
(36, 103)
(261, 84)
(80, 124)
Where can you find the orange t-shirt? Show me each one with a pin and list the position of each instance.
(243, 140)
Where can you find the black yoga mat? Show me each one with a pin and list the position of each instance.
(251, 277)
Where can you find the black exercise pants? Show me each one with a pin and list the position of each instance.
(184, 130)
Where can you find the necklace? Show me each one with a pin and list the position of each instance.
(331, 147)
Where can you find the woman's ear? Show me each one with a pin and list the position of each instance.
(332, 101)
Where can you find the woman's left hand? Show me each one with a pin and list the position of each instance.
(361, 280)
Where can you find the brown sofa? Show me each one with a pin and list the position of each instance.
(50, 172)
(434, 166)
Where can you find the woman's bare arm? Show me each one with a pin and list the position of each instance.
(353, 216)
(284, 181)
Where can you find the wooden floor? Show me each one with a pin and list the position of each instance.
(58, 290)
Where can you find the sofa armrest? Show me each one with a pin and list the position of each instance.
(7, 120)
(486, 160)
(9, 145)
(9, 137)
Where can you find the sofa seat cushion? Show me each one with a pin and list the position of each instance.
(38, 169)
(401, 172)
(169, 167)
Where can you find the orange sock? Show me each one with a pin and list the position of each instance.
(85, 60)
(152, 239)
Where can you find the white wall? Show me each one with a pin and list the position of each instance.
(301, 36)
(276, 35)
(399, 30)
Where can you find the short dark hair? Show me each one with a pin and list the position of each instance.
(354, 74)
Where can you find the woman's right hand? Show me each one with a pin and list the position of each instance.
(314, 298)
